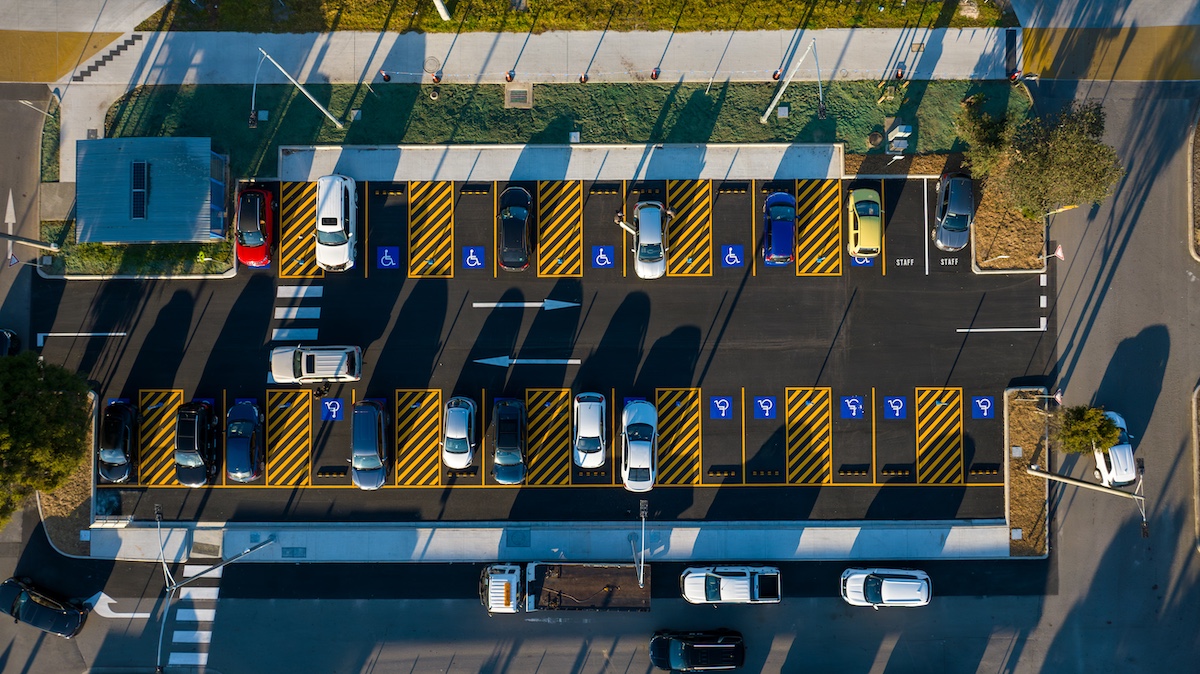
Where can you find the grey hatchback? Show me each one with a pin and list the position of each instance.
(955, 213)
(508, 441)
(244, 442)
(368, 445)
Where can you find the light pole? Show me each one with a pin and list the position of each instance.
(775, 101)
(643, 506)
(254, 93)
(302, 89)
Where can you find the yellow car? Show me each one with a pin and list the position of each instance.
(866, 223)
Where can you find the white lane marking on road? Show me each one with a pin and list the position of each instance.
(43, 335)
(193, 659)
(1043, 301)
(1041, 329)
(196, 615)
(287, 313)
(1044, 280)
(192, 637)
(196, 593)
(299, 291)
(193, 570)
(293, 334)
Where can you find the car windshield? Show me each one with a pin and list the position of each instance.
(113, 456)
(873, 589)
(867, 209)
(189, 459)
(514, 213)
(783, 213)
(678, 655)
(650, 252)
(507, 458)
(366, 462)
(241, 429)
(712, 588)
(637, 432)
(250, 238)
(329, 234)
(457, 445)
(639, 474)
(586, 444)
(1122, 437)
(956, 223)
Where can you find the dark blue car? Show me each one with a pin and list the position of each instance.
(779, 230)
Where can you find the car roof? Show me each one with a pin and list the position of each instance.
(363, 427)
(960, 200)
(590, 423)
(649, 221)
(456, 421)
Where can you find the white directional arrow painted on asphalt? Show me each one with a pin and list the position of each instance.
(505, 361)
(102, 605)
(548, 305)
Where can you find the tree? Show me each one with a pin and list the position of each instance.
(987, 138)
(1085, 427)
(1059, 161)
(44, 420)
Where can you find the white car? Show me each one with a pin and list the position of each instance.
(315, 364)
(639, 446)
(458, 444)
(1115, 467)
(589, 419)
(337, 222)
(886, 587)
(650, 220)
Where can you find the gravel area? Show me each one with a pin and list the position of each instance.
(67, 510)
(1028, 506)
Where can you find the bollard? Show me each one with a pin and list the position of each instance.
(510, 75)
(437, 78)
(776, 75)
(654, 74)
(386, 77)
(583, 78)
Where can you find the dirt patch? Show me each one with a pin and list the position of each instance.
(1027, 494)
(67, 510)
(909, 164)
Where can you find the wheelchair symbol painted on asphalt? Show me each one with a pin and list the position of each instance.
(853, 407)
(387, 257)
(862, 261)
(895, 407)
(733, 256)
(473, 257)
(603, 257)
(331, 409)
(764, 407)
(983, 407)
(720, 407)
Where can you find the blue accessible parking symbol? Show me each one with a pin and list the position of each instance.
(603, 257)
(720, 407)
(895, 407)
(733, 256)
(862, 261)
(764, 407)
(473, 257)
(331, 409)
(387, 257)
(983, 407)
(853, 407)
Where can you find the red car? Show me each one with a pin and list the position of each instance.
(253, 227)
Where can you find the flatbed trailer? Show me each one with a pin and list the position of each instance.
(539, 586)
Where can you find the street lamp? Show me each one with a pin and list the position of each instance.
(254, 93)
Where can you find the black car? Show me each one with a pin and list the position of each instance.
(244, 449)
(19, 599)
(514, 236)
(195, 444)
(10, 344)
(115, 460)
(697, 651)
(508, 441)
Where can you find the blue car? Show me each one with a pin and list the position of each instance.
(779, 225)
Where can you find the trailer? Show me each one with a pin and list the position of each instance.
(540, 586)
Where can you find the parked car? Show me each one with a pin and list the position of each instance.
(886, 587)
(697, 651)
(115, 460)
(730, 585)
(865, 214)
(589, 417)
(10, 344)
(337, 222)
(195, 444)
(253, 227)
(649, 230)
(458, 444)
(315, 364)
(779, 230)
(954, 213)
(515, 225)
(26, 604)
(1115, 466)
(639, 445)
(245, 451)
(368, 445)
(508, 441)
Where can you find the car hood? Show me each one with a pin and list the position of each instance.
(509, 474)
(114, 473)
(252, 256)
(590, 459)
(281, 366)
(191, 476)
(456, 461)
(333, 256)
(1122, 464)
(367, 480)
(650, 270)
(950, 240)
(853, 584)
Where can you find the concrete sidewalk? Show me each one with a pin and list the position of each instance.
(563, 541)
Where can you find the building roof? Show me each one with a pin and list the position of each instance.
(148, 190)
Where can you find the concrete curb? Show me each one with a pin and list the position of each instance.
(1195, 470)
(1191, 182)
(230, 273)
(1007, 468)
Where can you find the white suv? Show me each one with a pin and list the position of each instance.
(886, 587)
(1114, 467)
(313, 364)
(337, 222)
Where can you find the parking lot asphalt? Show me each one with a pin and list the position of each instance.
(827, 389)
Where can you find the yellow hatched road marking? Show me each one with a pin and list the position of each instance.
(809, 441)
(549, 436)
(297, 222)
(431, 229)
(156, 436)
(819, 230)
(560, 228)
(678, 435)
(939, 436)
(289, 438)
(418, 434)
(689, 235)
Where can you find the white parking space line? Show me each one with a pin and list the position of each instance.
(198, 593)
(192, 637)
(1041, 329)
(196, 615)
(299, 291)
(193, 570)
(193, 659)
(926, 238)
(293, 334)
(286, 313)
(41, 338)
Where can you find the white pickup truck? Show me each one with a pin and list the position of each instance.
(730, 585)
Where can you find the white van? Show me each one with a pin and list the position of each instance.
(337, 222)
(315, 364)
